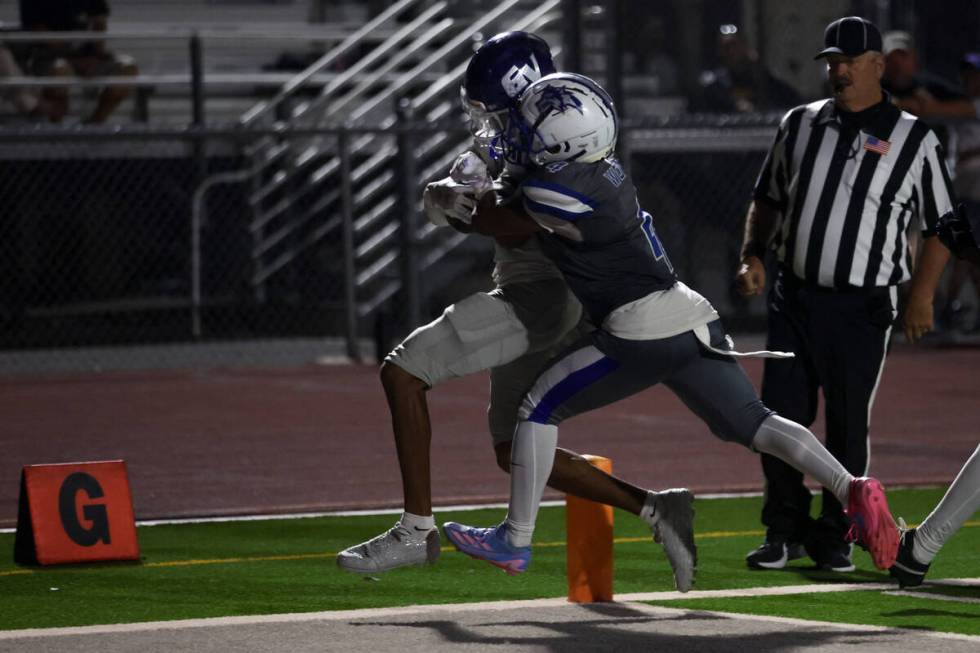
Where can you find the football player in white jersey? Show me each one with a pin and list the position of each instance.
(512, 330)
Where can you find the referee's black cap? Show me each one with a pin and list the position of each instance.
(850, 36)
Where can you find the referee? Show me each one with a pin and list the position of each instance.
(844, 183)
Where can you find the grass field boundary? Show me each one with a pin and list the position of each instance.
(634, 599)
(331, 554)
(217, 519)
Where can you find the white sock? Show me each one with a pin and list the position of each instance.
(961, 500)
(797, 447)
(418, 526)
(532, 454)
(649, 509)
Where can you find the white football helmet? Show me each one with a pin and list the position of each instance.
(568, 117)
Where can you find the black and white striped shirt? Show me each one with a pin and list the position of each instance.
(848, 198)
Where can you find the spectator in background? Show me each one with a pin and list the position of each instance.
(28, 102)
(646, 49)
(88, 59)
(965, 146)
(742, 84)
(913, 90)
(933, 98)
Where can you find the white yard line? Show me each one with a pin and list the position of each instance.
(756, 591)
(933, 597)
(493, 606)
(811, 623)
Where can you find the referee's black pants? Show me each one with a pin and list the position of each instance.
(840, 339)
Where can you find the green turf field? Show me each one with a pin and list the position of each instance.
(279, 566)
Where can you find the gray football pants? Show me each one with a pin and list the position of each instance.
(513, 331)
(601, 369)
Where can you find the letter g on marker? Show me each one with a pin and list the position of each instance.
(95, 513)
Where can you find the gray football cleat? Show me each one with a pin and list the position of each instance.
(673, 529)
(390, 550)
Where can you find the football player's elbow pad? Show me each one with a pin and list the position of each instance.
(955, 231)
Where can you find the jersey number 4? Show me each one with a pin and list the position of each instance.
(646, 223)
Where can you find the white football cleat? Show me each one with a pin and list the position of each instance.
(673, 528)
(392, 549)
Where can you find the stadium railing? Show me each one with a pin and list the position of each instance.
(297, 185)
(115, 237)
(304, 218)
(188, 76)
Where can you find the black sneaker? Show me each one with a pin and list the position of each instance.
(836, 560)
(824, 543)
(774, 554)
(908, 571)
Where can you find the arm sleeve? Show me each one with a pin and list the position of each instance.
(933, 185)
(553, 204)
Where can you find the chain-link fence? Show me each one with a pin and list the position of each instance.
(154, 240)
(697, 180)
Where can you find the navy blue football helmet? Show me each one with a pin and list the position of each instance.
(503, 67)
(497, 74)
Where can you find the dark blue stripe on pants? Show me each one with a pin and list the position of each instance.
(569, 386)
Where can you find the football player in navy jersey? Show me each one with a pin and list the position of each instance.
(512, 331)
(581, 203)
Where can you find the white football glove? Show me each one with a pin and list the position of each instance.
(457, 195)
(470, 169)
(448, 199)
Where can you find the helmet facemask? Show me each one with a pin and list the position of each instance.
(496, 75)
(485, 126)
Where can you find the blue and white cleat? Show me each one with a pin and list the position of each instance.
(489, 544)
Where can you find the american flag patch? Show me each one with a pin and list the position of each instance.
(877, 145)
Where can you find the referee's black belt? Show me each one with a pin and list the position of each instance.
(791, 281)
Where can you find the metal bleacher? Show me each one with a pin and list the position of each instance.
(329, 160)
(241, 41)
(298, 184)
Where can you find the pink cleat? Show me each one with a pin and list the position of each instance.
(489, 544)
(872, 525)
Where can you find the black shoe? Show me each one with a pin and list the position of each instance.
(825, 544)
(835, 560)
(774, 554)
(908, 571)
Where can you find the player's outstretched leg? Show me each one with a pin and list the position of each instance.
(489, 544)
(396, 547)
(673, 529)
(872, 524)
(908, 571)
